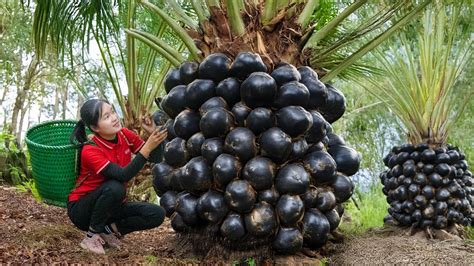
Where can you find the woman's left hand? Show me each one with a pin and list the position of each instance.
(148, 124)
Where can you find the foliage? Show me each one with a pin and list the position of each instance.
(470, 232)
(14, 168)
(421, 78)
(369, 212)
(175, 28)
(250, 261)
(150, 259)
(100, 27)
(29, 186)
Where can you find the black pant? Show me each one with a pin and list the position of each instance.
(105, 206)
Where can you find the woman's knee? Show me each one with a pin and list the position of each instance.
(157, 215)
(115, 189)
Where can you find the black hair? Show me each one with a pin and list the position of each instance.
(90, 114)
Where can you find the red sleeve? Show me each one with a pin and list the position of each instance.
(94, 158)
(133, 139)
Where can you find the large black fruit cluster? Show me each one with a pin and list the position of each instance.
(428, 187)
(252, 153)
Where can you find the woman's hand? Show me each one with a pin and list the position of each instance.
(155, 139)
(148, 124)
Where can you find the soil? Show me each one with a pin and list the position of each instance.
(33, 232)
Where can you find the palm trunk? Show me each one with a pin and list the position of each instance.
(25, 109)
(64, 98)
(56, 103)
(22, 94)
(80, 101)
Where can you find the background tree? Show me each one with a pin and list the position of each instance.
(301, 32)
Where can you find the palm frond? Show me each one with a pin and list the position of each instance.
(66, 22)
(420, 80)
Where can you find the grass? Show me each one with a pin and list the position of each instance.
(29, 186)
(150, 259)
(470, 232)
(245, 261)
(371, 209)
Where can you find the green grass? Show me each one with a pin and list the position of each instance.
(470, 232)
(250, 261)
(150, 259)
(29, 186)
(372, 209)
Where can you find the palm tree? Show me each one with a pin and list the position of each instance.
(420, 89)
(301, 32)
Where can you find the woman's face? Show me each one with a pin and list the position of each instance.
(109, 123)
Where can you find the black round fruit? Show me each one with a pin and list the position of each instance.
(198, 92)
(275, 144)
(174, 102)
(443, 169)
(168, 202)
(333, 218)
(194, 143)
(318, 93)
(343, 187)
(258, 90)
(435, 179)
(175, 152)
(233, 227)
(335, 140)
(177, 223)
(211, 206)
(299, 149)
(197, 175)
(428, 191)
(292, 93)
(325, 200)
(270, 196)
(428, 156)
(317, 131)
(321, 166)
(214, 102)
(211, 148)
(161, 177)
(294, 120)
(240, 196)
(225, 168)
(315, 228)
(229, 89)
(188, 71)
(288, 240)
(442, 194)
(172, 79)
(186, 208)
(307, 73)
(290, 210)
(245, 64)
(347, 159)
(240, 112)
(292, 179)
(335, 105)
(186, 124)
(261, 221)
(215, 67)
(216, 122)
(284, 74)
(260, 172)
(240, 142)
(259, 120)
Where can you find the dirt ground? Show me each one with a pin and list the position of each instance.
(32, 232)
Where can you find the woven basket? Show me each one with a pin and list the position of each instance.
(53, 160)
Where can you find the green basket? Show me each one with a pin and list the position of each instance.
(53, 160)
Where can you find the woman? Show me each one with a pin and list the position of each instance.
(97, 204)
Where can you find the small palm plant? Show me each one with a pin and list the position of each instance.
(428, 183)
